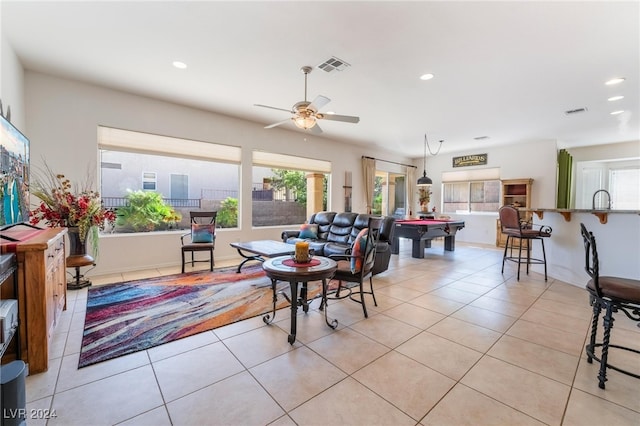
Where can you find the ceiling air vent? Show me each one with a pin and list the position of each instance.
(333, 64)
(481, 138)
(575, 111)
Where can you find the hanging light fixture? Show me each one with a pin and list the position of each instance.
(425, 180)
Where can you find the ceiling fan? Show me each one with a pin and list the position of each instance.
(305, 115)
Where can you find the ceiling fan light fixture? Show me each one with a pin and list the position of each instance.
(304, 122)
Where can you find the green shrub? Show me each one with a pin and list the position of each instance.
(228, 214)
(146, 211)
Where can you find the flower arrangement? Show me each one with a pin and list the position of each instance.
(62, 205)
(424, 196)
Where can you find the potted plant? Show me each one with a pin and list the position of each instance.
(77, 208)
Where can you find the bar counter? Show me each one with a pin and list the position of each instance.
(602, 214)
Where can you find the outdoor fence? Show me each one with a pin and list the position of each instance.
(271, 207)
(115, 202)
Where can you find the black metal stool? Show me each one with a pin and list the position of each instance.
(613, 294)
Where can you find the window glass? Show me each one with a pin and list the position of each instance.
(625, 189)
(389, 194)
(281, 185)
(376, 207)
(485, 196)
(621, 178)
(474, 196)
(163, 198)
(149, 181)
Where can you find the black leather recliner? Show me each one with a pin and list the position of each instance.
(337, 231)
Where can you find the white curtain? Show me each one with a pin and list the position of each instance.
(368, 178)
(410, 183)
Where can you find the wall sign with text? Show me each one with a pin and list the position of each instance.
(470, 160)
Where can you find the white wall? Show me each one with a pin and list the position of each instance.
(618, 243)
(11, 84)
(614, 151)
(62, 125)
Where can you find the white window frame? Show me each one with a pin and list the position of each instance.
(149, 178)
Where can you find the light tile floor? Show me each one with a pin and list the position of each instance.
(453, 341)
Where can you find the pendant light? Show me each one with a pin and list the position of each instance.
(425, 180)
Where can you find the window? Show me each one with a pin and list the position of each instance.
(188, 175)
(473, 191)
(389, 194)
(468, 197)
(287, 189)
(620, 178)
(149, 181)
(376, 207)
(179, 186)
(624, 187)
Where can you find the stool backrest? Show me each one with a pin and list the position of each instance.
(591, 263)
(509, 218)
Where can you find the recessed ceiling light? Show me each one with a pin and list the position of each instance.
(428, 76)
(179, 65)
(616, 112)
(614, 81)
(615, 98)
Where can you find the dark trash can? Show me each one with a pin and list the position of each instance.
(13, 410)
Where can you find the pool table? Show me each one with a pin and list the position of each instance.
(422, 231)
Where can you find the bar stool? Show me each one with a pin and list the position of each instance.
(77, 262)
(614, 295)
(514, 227)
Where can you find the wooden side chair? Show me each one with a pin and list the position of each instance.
(201, 238)
(513, 226)
(614, 295)
(357, 264)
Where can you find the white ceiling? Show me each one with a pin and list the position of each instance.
(507, 70)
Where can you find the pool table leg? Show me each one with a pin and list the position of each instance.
(417, 248)
(450, 243)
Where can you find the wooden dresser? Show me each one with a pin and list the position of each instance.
(42, 292)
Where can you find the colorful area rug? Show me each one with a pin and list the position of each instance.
(136, 315)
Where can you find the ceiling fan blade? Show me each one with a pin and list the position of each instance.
(336, 117)
(318, 103)
(316, 130)
(270, 107)
(271, 126)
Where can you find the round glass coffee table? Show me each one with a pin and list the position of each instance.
(283, 268)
